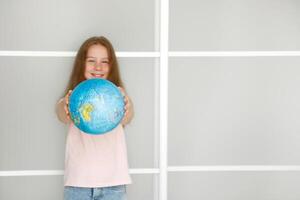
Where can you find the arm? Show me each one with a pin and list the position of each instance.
(129, 113)
(62, 111)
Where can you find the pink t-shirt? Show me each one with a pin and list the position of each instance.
(96, 160)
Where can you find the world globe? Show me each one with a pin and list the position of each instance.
(96, 106)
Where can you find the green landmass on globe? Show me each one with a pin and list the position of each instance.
(86, 110)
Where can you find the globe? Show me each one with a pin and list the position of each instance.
(96, 106)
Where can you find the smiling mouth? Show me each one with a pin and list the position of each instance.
(97, 75)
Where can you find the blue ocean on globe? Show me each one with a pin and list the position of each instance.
(96, 106)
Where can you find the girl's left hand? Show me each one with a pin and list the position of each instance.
(128, 108)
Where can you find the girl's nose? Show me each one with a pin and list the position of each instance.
(98, 66)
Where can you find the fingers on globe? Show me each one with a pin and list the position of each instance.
(67, 111)
(122, 91)
(125, 116)
(127, 105)
(66, 106)
(67, 97)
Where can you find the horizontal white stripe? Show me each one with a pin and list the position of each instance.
(235, 168)
(144, 171)
(72, 54)
(157, 54)
(232, 53)
(32, 173)
(138, 54)
(38, 53)
(61, 172)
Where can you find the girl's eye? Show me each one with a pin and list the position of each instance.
(90, 61)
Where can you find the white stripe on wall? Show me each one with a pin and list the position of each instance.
(164, 66)
(153, 54)
(61, 172)
(233, 53)
(72, 54)
(234, 168)
(208, 168)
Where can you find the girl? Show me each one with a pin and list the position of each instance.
(96, 166)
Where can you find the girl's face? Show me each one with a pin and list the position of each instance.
(97, 62)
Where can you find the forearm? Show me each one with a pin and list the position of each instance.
(129, 116)
(61, 113)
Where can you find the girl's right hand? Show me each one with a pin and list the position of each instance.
(66, 106)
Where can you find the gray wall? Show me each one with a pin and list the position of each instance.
(222, 111)
(234, 110)
(31, 136)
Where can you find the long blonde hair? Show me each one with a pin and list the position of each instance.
(77, 74)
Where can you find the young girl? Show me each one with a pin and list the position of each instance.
(96, 166)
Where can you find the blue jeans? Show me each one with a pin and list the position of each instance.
(104, 193)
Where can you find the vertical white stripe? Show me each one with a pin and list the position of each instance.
(164, 42)
(156, 98)
(156, 126)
